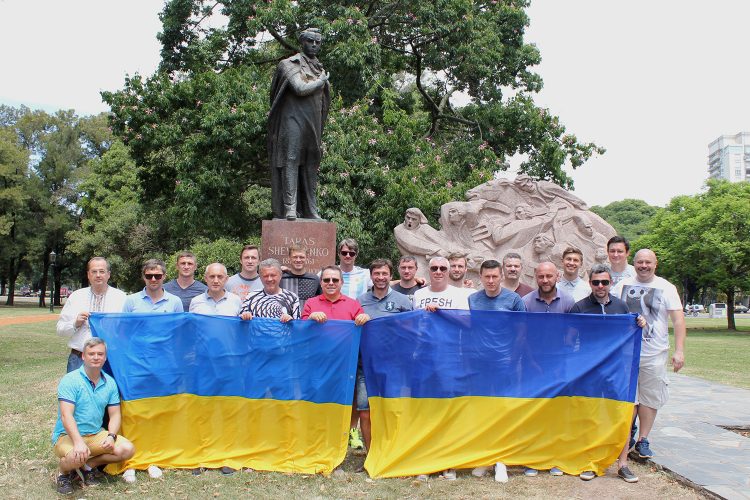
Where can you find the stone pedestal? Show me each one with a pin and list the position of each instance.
(318, 237)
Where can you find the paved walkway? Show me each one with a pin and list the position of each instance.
(689, 441)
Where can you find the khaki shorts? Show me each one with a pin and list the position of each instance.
(653, 383)
(93, 441)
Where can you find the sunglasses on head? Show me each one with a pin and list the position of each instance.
(600, 282)
(155, 276)
(435, 269)
(348, 253)
(331, 280)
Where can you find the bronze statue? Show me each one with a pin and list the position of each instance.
(300, 98)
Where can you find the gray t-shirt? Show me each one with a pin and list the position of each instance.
(185, 294)
(242, 286)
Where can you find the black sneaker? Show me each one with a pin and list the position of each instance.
(626, 475)
(642, 449)
(227, 471)
(92, 477)
(64, 484)
(197, 471)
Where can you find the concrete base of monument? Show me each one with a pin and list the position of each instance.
(316, 235)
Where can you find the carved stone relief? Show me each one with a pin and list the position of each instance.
(537, 219)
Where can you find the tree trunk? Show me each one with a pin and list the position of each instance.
(11, 282)
(43, 281)
(3, 282)
(730, 310)
(57, 284)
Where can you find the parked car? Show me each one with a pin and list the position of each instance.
(739, 308)
(694, 309)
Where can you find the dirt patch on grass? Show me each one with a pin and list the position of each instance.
(37, 318)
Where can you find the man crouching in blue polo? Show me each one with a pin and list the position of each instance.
(80, 442)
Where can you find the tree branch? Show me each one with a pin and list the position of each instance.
(281, 40)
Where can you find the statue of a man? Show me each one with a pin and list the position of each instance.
(300, 98)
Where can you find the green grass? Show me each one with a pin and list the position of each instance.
(33, 359)
(715, 353)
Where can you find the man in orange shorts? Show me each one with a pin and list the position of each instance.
(79, 440)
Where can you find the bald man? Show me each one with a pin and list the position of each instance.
(657, 301)
(547, 297)
(216, 301)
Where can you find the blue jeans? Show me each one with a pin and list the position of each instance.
(74, 362)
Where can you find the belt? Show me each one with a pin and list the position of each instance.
(76, 352)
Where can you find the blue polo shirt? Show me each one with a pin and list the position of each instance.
(90, 402)
(140, 302)
(562, 303)
(506, 300)
(393, 302)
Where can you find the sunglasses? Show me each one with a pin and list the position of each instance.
(156, 276)
(435, 269)
(347, 253)
(331, 280)
(600, 282)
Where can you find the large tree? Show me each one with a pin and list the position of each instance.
(629, 217)
(396, 134)
(57, 149)
(703, 239)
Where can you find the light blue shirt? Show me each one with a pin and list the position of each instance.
(229, 305)
(90, 402)
(577, 288)
(140, 302)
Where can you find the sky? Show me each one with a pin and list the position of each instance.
(654, 82)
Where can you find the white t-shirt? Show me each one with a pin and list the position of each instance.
(628, 272)
(653, 301)
(450, 298)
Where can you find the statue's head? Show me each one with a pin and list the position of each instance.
(584, 225)
(523, 211)
(542, 242)
(601, 255)
(413, 218)
(311, 39)
(524, 183)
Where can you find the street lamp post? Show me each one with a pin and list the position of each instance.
(52, 258)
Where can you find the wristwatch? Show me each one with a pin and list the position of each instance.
(112, 435)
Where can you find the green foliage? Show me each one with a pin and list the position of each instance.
(206, 252)
(112, 223)
(703, 239)
(199, 144)
(629, 217)
(56, 150)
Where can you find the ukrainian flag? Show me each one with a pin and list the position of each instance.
(461, 389)
(218, 391)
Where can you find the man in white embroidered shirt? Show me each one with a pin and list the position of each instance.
(98, 297)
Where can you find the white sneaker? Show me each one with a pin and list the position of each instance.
(501, 473)
(449, 474)
(423, 477)
(479, 471)
(129, 476)
(154, 472)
